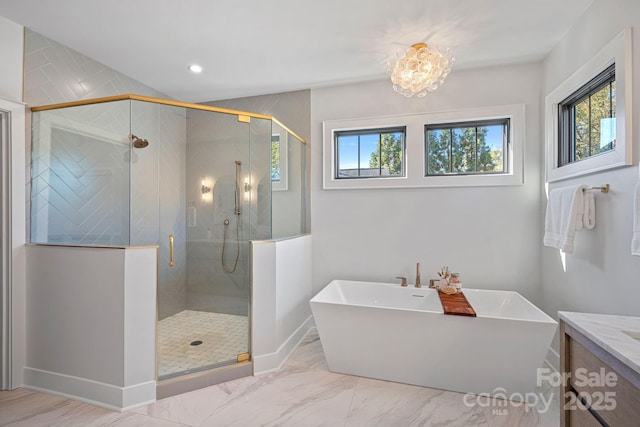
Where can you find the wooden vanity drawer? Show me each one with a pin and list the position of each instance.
(582, 418)
(614, 398)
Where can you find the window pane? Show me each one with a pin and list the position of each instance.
(586, 125)
(602, 124)
(438, 160)
(475, 147)
(581, 129)
(391, 151)
(275, 158)
(463, 150)
(369, 155)
(347, 156)
(491, 148)
(372, 153)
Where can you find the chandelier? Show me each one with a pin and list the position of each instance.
(422, 69)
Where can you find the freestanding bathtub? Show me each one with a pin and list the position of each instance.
(401, 334)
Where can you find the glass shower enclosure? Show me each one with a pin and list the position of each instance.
(196, 181)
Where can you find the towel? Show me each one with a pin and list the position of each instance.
(589, 212)
(566, 215)
(635, 241)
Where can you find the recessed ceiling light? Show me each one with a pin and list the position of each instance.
(195, 68)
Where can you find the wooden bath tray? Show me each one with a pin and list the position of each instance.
(456, 304)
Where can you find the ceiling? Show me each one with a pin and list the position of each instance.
(255, 47)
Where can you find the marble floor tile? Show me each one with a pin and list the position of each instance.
(33, 409)
(382, 403)
(301, 394)
(194, 407)
(298, 399)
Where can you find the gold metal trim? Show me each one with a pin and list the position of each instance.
(603, 188)
(170, 250)
(289, 130)
(162, 101)
(244, 119)
(243, 357)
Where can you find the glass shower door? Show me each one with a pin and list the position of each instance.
(204, 218)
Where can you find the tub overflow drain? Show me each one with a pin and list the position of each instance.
(196, 342)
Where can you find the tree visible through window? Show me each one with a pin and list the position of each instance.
(370, 153)
(467, 148)
(586, 122)
(275, 158)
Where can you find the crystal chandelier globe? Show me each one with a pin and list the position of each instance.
(422, 69)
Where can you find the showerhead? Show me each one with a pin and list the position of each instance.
(139, 142)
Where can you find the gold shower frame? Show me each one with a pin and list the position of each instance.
(243, 116)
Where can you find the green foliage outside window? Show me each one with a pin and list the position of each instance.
(275, 158)
(388, 156)
(591, 114)
(464, 150)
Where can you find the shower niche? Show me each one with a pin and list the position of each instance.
(197, 182)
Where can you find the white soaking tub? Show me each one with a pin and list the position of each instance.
(401, 334)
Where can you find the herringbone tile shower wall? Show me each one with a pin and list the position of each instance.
(88, 197)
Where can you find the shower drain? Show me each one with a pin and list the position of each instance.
(196, 342)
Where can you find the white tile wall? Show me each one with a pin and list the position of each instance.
(55, 73)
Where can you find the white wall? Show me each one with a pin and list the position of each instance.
(91, 315)
(602, 275)
(281, 286)
(488, 234)
(11, 52)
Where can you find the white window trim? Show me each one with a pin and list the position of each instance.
(415, 149)
(617, 51)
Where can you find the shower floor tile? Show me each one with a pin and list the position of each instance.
(223, 337)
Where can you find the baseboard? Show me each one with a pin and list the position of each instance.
(96, 393)
(270, 362)
(553, 359)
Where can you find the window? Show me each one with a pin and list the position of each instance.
(275, 158)
(586, 121)
(467, 148)
(372, 153)
(588, 115)
(279, 175)
(394, 151)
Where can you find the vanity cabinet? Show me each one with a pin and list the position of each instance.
(597, 388)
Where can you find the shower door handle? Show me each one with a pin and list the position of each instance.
(170, 250)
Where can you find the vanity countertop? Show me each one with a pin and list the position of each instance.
(606, 330)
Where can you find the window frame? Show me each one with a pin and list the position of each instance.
(415, 147)
(618, 52)
(372, 131)
(566, 115)
(505, 122)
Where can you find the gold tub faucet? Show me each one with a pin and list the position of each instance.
(418, 284)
